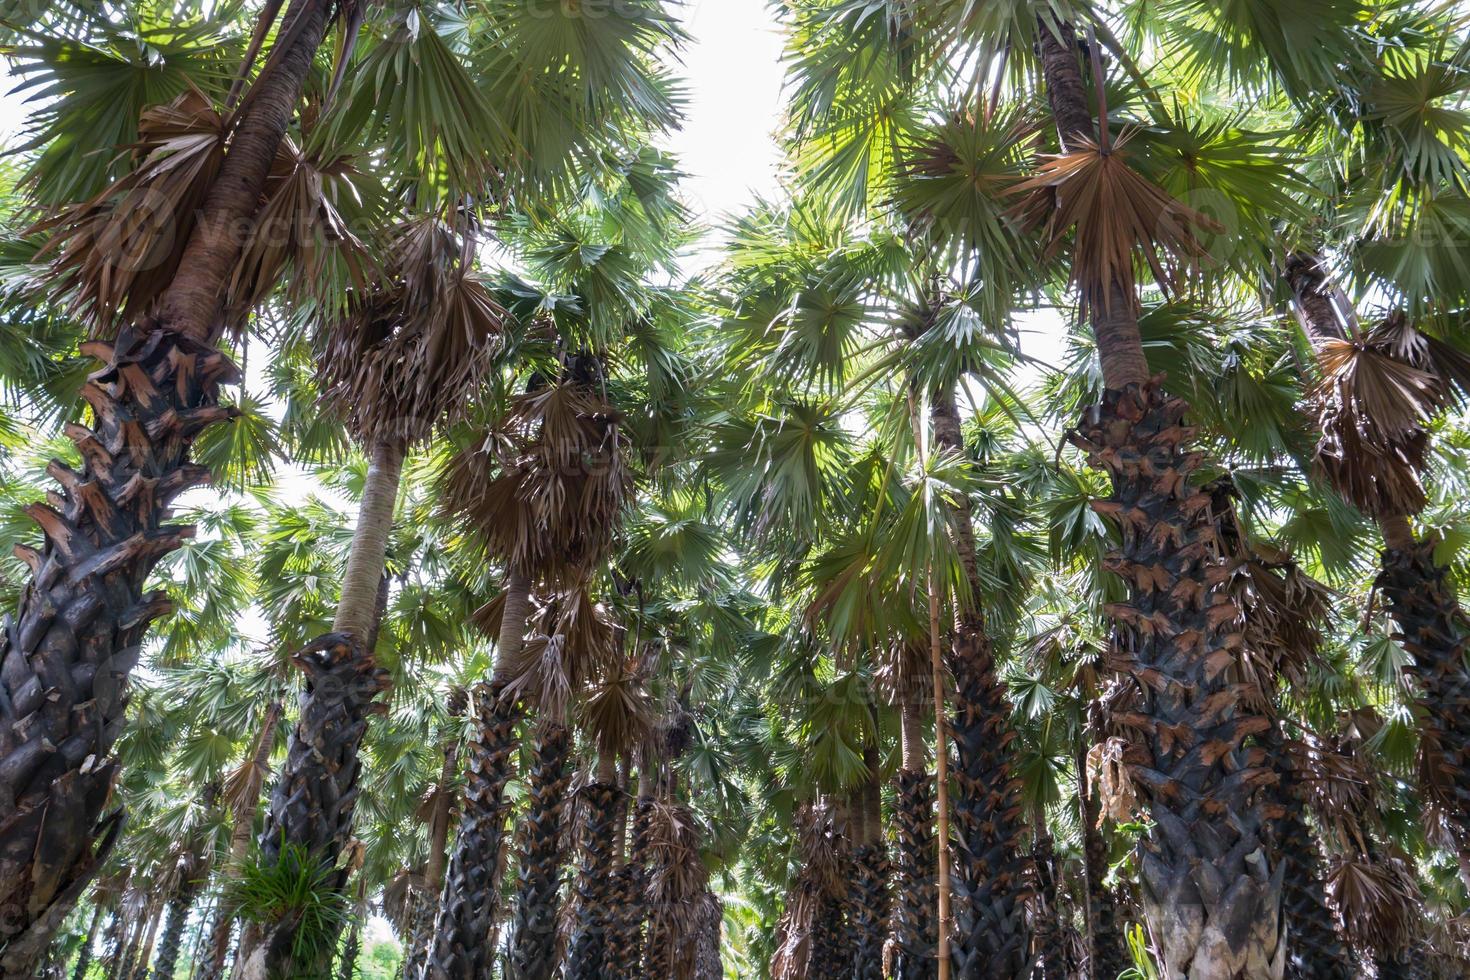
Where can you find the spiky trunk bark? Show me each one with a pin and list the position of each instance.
(538, 897)
(1314, 951)
(461, 947)
(633, 913)
(66, 658)
(1107, 953)
(1210, 893)
(871, 900)
(915, 931)
(707, 964)
(1050, 948)
(315, 798)
(139, 970)
(993, 879)
(423, 901)
(1212, 898)
(586, 959)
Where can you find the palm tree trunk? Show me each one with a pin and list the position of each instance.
(593, 912)
(240, 835)
(145, 951)
(1050, 951)
(350, 950)
(172, 938)
(423, 899)
(462, 948)
(1211, 897)
(84, 614)
(1314, 951)
(707, 965)
(316, 793)
(114, 942)
(915, 902)
(1431, 626)
(1107, 951)
(635, 910)
(538, 897)
(84, 955)
(993, 872)
(873, 901)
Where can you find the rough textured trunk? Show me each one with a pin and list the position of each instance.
(871, 910)
(1313, 949)
(462, 947)
(1434, 631)
(139, 969)
(707, 965)
(177, 916)
(915, 933)
(361, 581)
(538, 899)
(626, 959)
(66, 655)
(832, 953)
(315, 795)
(1211, 895)
(423, 900)
(1050, 946)
(595, 872)
(993, 874)
(1107, 953)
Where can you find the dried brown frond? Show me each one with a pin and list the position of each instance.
(821, 875)
(1371, 408)
(546, 488)
(903, 673)
(1115, 214)
(299, 227)
(115, 254)
(1338, 788)
(1112, 776)
(396, 894)
(408, 354)
(617, 713)
(1378, 899)
(1399, 339)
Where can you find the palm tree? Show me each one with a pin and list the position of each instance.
(156, 391)
(532, 953)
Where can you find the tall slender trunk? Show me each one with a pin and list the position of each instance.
(347, 969)
(115, 942)
(316, 792)
(423, 900)
(1211, 895)
(172, 939)
(538, 898)
(462, 948)
(994, 876)
(1050, 949)
(145, 951)
(635, 913)
(84, 955)
(240, 835)
(1424, 606)
(65, 661)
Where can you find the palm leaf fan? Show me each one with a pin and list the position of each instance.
(1115, 213)
(617, 712)
(1377, 898)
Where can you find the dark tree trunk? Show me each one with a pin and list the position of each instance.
(871, 910)
(593, 910)
(1050, 946)
(632, 915)
(707, 965)
(177, 916)
(1210, 893)
(1314, 951)
(350, 950)
(538, 898)
(832, 953)
(993, 873)
(66, 657)
(462, 929)
(84, 955)
(914, 924)
(316, 791)
(1211, 896)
